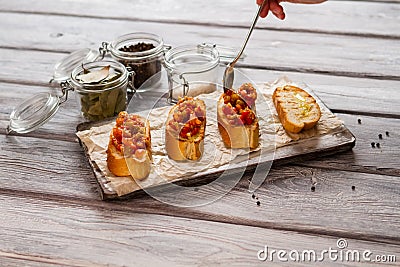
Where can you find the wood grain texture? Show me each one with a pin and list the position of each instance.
(362, 158)
(384, 160)
(287, 202)
(39, 163)
(51, 213)
(61, 127)
(304, 52)
(58, 171)
(341, 94)
(344, 17)
(11, 259)
(88, 236)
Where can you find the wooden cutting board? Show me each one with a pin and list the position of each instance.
(302, 150)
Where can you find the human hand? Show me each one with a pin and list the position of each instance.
(275, 7)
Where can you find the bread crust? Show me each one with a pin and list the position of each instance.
(116, 161)
(184, 149)
(297, 110)
(119, 165)
(236, 136)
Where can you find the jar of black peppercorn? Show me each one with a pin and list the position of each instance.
(141, 52)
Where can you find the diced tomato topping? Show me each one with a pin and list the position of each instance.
(195, 130)
(237, 105)
(128, 133)
(244, 115)
(229, 92)
(117, 133)
(188, 118)
(185, 130)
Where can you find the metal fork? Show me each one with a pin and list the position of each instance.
(229, 75)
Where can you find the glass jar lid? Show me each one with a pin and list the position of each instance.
(137, 46)
(115, 74)
(192, 58)
(63, 69)
(226, 53)
(39, 109)
(33, 113)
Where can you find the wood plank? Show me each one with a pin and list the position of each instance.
(338, 202)
(374, 160)
(351, 95)
(61, 127)
(286, 202)
(343, 94)
(91, 236)
(273, 50)
(57, 171)
(58, 166)
(9, 259)
(350, 17)
(7, 262)
(361, 158)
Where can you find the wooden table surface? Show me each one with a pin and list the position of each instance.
(347, 51)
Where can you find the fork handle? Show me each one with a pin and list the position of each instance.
(249, 33)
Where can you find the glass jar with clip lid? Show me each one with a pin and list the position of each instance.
(140, 52)
(100, 86)
(194, 69)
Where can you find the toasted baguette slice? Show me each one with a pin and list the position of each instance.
(236, 136)
(185, 147)
(115, 160)
(126, 160)
(297, 110)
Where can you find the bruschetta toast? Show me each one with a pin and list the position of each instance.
(129, 148)
(237, 120)
(185, 129)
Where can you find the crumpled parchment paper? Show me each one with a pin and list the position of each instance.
(164, 170)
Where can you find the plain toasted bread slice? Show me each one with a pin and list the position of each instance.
(297, 110)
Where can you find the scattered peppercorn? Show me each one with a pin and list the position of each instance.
(387, 133)
(380, 136)
(378, 145)
(373, 144)
(359, 121)
(313, 188)
(258, 203)
(353, 187)
(253, 196)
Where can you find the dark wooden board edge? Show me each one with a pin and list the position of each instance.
(347, 142)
